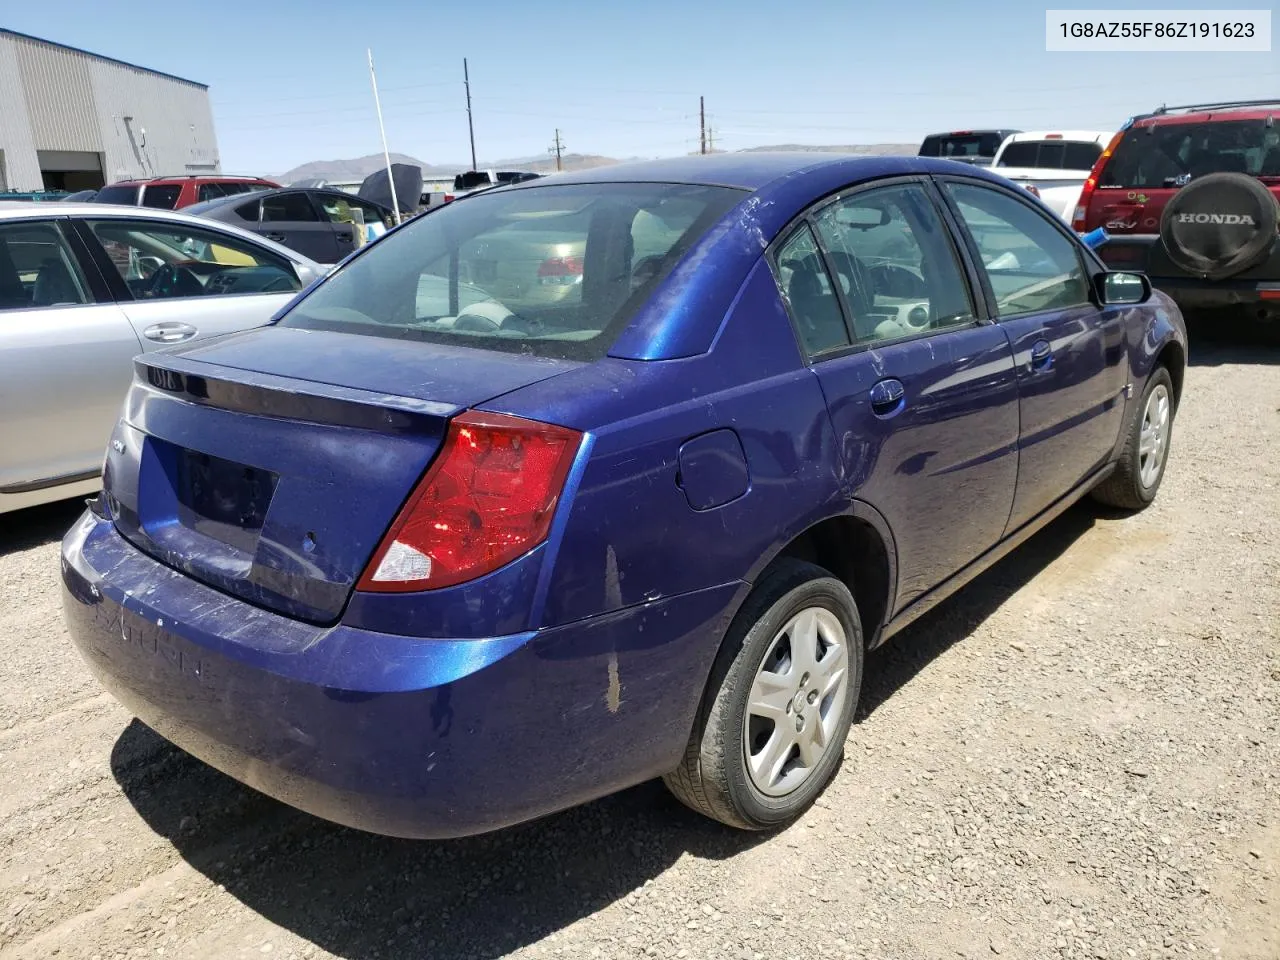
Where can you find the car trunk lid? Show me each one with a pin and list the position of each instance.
(237, 464)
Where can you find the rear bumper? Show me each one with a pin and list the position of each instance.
(1145, 253)
(396, 735)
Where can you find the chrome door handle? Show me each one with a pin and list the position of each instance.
(888, 397)
(1041, 355)
(170, 331)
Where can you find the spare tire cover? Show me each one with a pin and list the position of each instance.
(1220, 225)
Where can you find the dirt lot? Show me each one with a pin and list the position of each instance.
(1079, 756)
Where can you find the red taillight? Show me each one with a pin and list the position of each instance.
(557, 270)
(1053, 136)
(448, 198)
(488, 498)
(1269, 294)
(1080, 217)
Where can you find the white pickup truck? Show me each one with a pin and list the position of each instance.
(1052, 165)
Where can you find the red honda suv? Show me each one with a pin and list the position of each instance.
(1191, 197)
(174, 193)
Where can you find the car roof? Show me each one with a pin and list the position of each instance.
(218, 203)
(747, 171)
(190, 178)
(1208, 112)
(24, 210)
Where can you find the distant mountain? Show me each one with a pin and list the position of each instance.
(361, 167)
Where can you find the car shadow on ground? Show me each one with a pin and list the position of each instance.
(1221, 337)
(36, 526)
(363, 896)
(894, 665)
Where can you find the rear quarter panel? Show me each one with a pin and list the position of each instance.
(631, 536)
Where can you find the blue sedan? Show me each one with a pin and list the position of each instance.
(605, 477)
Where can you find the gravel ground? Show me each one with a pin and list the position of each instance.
(1078, 756)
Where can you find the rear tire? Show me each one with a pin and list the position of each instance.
(1138, 474)
(770, 732)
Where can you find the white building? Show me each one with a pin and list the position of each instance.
(72, 120)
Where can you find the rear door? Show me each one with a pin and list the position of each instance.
(1070, 354)
(177, 283)
(292, 219)
(354, 221)
(921, 389)
(65, 352)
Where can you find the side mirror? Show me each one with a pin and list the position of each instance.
(1116, 289)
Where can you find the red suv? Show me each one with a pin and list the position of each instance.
(173, 193)
(1191, 197)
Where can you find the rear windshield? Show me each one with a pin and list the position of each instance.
(161, 196)
(957, 146)
(554, 271)
(126, 194)
(1052, 154)
(1169, 155)
(471, 180)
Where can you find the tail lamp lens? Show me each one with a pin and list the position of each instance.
(564, 271)
(488, 499)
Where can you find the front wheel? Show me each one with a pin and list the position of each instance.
(771, 732)
(1138, 473)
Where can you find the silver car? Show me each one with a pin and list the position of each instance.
(84, 288)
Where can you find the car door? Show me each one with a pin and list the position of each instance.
(354, 221)
(920, 386)
(1069, 352)
(65, 362)
(290, 218)
(177, 282)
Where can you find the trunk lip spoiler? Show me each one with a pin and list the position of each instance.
(272, 395)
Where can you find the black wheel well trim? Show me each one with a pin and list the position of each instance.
(1173, 357)
(875, 593)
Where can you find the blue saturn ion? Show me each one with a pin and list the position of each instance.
(604, 477)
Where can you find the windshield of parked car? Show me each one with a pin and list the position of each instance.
(554, 271)
(1170, 155)
(1078, 155)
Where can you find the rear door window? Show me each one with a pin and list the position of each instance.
(210, 191)
(37, 268)
(895, 263)
(162, 196)
(553, 271)
(810, 294)
(288, 207)
(1170, 155)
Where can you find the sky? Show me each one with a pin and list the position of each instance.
(289, 83)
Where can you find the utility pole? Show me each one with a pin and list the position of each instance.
(466, 80)
(702, 124)
(711, 140)
(557, 149)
